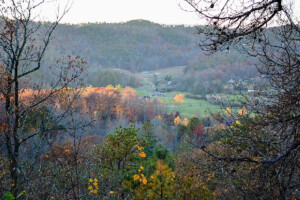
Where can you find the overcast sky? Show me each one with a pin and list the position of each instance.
(159, 11)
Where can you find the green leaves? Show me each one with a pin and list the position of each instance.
(10, 196)
(21, 194)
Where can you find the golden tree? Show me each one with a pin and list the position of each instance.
(179, 98)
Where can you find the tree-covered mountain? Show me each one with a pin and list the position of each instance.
(135, 45)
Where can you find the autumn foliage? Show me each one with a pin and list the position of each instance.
(100, 103)
(112, 103)
(179, 98)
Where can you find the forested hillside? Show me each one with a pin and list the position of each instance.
(136, 45)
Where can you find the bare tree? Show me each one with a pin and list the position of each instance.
(269, 139)
(23, 45)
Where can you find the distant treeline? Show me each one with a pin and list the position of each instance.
(114, 77)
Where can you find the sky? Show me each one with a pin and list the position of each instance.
(159, 11)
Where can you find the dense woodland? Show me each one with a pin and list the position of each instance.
(135, 45)
(73, 125)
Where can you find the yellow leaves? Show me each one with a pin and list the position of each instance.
(177, 120)
(237, 122)
(161, 181)
(243, 111)
(140, 178)
(179, 98)
(94, 191)
(46, 156)
(161, 166)
(93, 187)
(143, 179)
(111, 192)
(159, 184)
(139, 147)
(141, 169)
(136, 177)
(118, 87)
(257, 158)
(228, 111)
(142, 154)
(110, 87)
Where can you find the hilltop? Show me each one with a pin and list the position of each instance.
(135, 45)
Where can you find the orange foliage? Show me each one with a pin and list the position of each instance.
(179, 98)
(185, 121)
(243, 111)
(177, 120)
(99, 103)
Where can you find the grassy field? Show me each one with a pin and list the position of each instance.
(141, 92)
(170, 70)
(190, 107)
